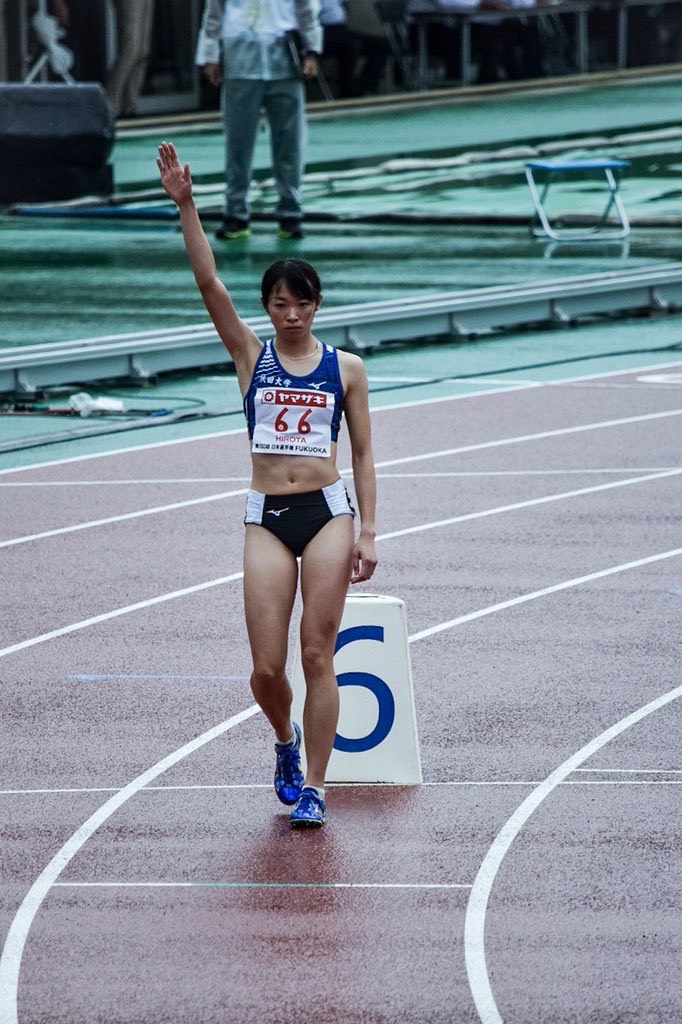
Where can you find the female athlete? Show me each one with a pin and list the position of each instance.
(295, 390)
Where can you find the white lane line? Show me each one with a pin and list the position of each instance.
(662, 378)
(128, 482)
(10, 962)
(374, 379)
(524, 472)
(505, 383)
(529, 503)
(474, 925)
(211, 436)
(523, 438)
(119, 677)
(544, 592)
(510, 388)
(463, 783)
(116, 612)
(375, 409)
(633, 771)
(126, 516)
(147, 788)
(208, 584)
(262, 885)
(174, 506)
(383, 476)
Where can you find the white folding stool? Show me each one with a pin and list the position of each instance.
(550, 170)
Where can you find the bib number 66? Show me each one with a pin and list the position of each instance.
(303, 427)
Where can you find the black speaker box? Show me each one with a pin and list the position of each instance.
(55, 141)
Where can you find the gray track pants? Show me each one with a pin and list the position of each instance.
(283, 103)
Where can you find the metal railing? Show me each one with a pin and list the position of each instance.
(361, 327)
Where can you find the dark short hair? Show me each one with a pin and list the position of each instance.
(298, 276)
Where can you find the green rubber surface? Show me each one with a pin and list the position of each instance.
(350, 139)
(64, 279)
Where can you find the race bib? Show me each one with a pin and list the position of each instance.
(293, 421)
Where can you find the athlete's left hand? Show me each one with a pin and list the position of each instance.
(364, 559)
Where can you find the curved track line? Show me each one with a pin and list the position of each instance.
(10, 963)
(19, 929)
(474, 925)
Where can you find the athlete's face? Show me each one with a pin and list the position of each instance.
(291, 315)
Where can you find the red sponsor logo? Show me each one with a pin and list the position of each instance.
(307, 399)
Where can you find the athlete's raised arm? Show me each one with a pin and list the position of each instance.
(238, 338)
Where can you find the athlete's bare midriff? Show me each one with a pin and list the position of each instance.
(292, 474)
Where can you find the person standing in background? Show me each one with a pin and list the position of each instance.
(246, 45)
(134, 23)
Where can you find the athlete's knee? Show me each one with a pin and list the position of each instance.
(268, 675)
(316, 657)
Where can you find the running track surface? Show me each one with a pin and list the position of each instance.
(150, 874)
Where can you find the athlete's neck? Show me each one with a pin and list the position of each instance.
(294, 354)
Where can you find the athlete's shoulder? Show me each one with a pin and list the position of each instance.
(350, 363)
(353, 374)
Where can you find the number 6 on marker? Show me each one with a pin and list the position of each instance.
(377, 686)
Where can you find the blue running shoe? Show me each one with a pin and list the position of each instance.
(310, 810)
(288, 774)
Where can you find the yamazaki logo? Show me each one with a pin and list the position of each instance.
(293, 398)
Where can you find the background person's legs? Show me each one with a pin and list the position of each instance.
(325, 576)
(144, 42)
(134, 20)
(241, 101)
(284, 102)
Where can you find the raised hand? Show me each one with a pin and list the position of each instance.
(176, 180)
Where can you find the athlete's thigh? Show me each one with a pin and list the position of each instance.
(326, 568)
(270, 579)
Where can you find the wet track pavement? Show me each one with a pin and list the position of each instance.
(193, 900)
